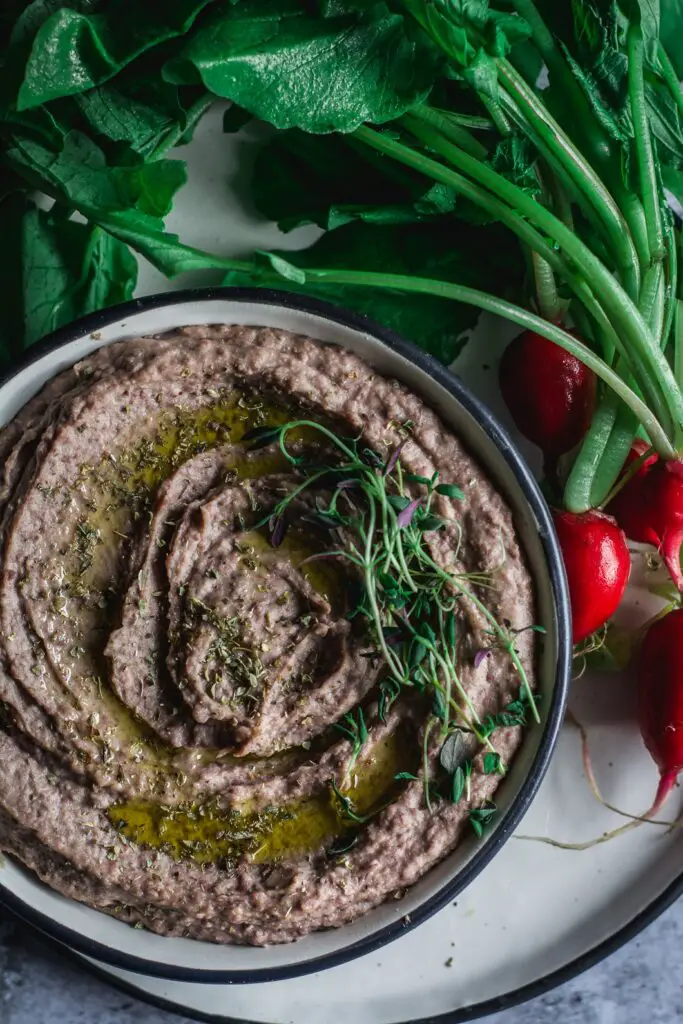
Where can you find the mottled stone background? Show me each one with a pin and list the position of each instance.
(641, 984)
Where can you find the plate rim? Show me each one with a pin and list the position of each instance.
(91, 324)
(476, 1011)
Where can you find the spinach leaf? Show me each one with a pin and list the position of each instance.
(74, 50)
(473, 34)
(62, 271)
(332, 180)
(447, 250)
(647, 12)
(665, 120)
(147, 114)
(295, 69)
(147, 236)
(77, 173)
(671, 35)
(591, 37)
(126, 201)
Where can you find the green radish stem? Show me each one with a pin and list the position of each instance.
(678, 340)
(561, 203)
(614, 456)
(628, 266)
(594, 138)
(628, 474)
(577, 492)
(614, 426)
(671, 280)
(626, 319)
(633, 211)
(651, 301)
(594, 476)
(549, 304)
(478, 195)
(559, 145)
(507, 310)
(647, 172)
(460, 136)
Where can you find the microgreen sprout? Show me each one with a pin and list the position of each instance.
(407, 599)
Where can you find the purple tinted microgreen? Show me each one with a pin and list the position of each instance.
(278, 528)
(393, 459)
(480, 656)
(405, 516)
(400, 593)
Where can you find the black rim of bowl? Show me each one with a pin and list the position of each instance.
(105, 954)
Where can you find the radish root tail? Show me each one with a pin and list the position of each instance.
(666, 784)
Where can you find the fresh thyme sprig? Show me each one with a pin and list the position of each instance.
(345, 806)
(354, 728)
(408, 599)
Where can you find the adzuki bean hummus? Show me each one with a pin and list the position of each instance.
(211, 724)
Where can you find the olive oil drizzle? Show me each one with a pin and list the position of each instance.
(113, 497)
(206, 834)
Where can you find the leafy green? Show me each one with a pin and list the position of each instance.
(127, 201)
(331, 181)
(450, 491)
(671, 36)
(453, 751)
(146, 114)
(459, 781)
(78, 174)
(162, 249)
(61, 271)
(666, 120)
(574, 171)
(492, 763)
(463, 253)
(295, 69)
(480, 818)
(74, 50)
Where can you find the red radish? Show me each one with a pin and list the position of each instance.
(660, 715)
(660, 700)
(598, 565)
(649, 507)
(549, 392)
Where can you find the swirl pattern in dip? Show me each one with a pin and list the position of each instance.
(175, 691)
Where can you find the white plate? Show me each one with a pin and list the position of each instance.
(535, 918)
(537, 915)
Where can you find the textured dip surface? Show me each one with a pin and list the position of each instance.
(175, 691)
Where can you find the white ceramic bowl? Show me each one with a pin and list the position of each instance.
(108, 940)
